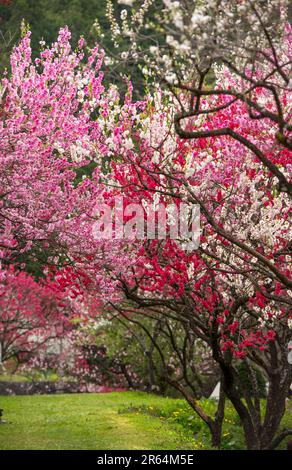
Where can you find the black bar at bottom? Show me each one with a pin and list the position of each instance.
(142, 459)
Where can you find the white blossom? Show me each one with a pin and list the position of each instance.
(128, 3)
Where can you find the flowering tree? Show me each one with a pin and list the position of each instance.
(45, 135)
(51, 152)
(32, 314)
(231, 91)
(233, 295)
(233, 291)
(225, 288)
(198, 38)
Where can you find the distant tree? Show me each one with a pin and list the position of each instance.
(31, 314)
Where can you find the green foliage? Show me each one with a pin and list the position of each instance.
(85, 171)
(126, 342)
(46, 17)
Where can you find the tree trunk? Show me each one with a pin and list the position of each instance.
(279, 385)
(260, 437)
(216, 437)
(251, 437)
(214, 425)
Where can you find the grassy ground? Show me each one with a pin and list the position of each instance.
(12, 378)
(127, 420)
(37, 376)
(85, 421)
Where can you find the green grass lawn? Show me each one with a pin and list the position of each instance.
(37, 376)
(108, 421)
(13, 378)
(86, 421)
